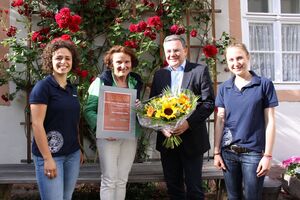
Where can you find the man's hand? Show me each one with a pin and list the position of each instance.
(166, 132)
(181, 128)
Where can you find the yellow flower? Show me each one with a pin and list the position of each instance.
(168, 110)
(183, 99)
(157, 114)
(150, 111)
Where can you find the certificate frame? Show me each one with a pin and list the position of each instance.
(116, 117)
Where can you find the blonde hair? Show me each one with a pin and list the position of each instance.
(239, 45)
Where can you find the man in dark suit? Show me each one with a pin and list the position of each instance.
(183, 164)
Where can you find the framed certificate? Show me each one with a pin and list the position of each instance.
(116, 118)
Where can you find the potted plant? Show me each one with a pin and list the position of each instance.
(291, 178)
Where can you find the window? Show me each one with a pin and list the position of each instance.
(271, 30)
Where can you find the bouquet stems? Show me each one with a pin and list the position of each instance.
(172, 142)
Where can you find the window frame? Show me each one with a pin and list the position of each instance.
(277, 19)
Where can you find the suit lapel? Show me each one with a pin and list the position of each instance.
(166, 79)
(186, 76)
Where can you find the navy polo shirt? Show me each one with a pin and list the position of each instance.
(62, 115)
(244, 121)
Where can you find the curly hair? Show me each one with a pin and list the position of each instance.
(119, 49)
(54, 46)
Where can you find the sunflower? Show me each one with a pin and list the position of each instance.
(168, 110)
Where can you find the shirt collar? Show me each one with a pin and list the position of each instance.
(180, 68)
(53, 82)
(254, 81)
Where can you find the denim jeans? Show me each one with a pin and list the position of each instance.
(62, 186)
(241, 175)
(116, 159)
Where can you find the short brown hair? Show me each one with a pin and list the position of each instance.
(120, 49)
(54, 46)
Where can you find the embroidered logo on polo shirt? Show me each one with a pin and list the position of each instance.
(227, 137)
(55, 141)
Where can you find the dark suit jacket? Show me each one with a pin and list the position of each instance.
(196, 78)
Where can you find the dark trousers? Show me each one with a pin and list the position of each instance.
(183, 175)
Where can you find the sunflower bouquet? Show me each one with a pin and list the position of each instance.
(167, 111)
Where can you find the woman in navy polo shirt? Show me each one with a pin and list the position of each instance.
(116, 155)
(55, 112)
(245, 127)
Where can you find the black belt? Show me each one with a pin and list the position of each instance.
(238, 149)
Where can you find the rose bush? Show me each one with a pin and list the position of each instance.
(94, 26)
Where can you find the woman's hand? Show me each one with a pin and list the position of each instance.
(264, 166)
(218, 162)
(50, 169)
(81, 157)
(138, 103)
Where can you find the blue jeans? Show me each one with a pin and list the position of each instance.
(62, 186)
(241, 174)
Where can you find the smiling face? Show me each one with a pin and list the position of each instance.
(237, 60)
(62, 61)
(121, 63)
(175, 53)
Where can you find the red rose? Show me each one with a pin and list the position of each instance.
(181, 30)
(141, 26)
(84, 73)
(65, 37)
(210, 51)
(131, 44)
(160, 12)
(35, 36)
(174, 29)
(63, 18)
(45, 31)
(149, 33)
(133, 28)
(65, 11)
(155, 22)
(74, 28)
(177, 29)
(193, 33)
(76, 19)
(17, 3)
(43, 45)
(11, 31)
